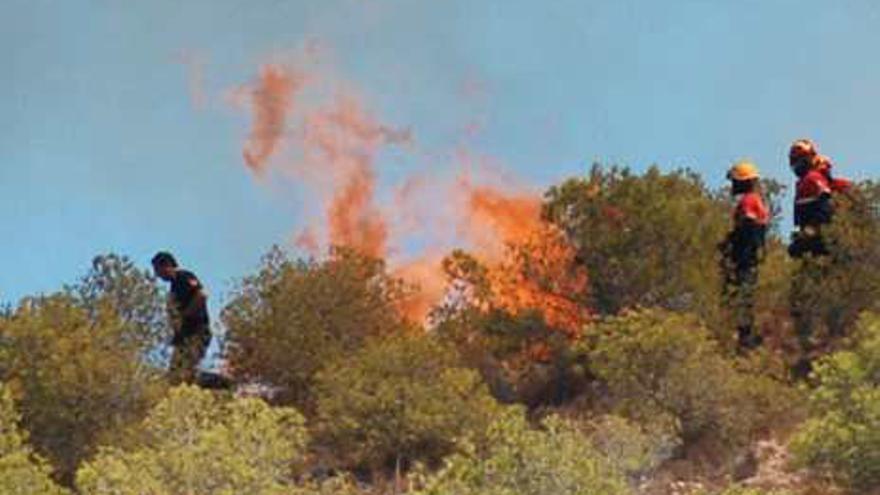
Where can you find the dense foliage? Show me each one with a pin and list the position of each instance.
(835, 290)
(196, 442)
(603, 333)
(291, 318)
(114, 283)
(21, 471)
(842, 439)
(399, 400)
(645, 240)
(520, 460)
(80, 378)
(661, 366)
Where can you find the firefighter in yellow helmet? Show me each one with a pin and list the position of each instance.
(741, 250)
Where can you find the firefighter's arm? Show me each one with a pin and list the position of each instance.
(198, 301)
(841, 185)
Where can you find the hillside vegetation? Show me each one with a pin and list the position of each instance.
(596, 358)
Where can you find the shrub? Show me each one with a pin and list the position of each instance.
(773, 295)
(633, 449)
(657, 364)
(516, 321)
(399, 400)
(198, 443)
(21, 472)
(842, 438)
(835, 290)
(557, 459)
(81, 379)
(520, 357)
(288, 321)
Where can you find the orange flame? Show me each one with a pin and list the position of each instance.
(534, 269)
(337, 146)
(427, 275)
(540, 274)
(497, 219)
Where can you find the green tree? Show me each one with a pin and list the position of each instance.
(519, 460)
(398, 400)
(114, 283)
(842, 437)
(645, 240)
(197, 442)
(81, 380)
(285, 323)
(21, 471)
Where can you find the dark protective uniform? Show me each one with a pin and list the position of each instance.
(812, 210)
(192, 333)
(742, 250)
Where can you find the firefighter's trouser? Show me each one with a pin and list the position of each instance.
(189, 349)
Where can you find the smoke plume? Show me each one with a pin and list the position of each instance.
(271, 98)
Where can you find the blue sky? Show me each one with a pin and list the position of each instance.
(102, 148)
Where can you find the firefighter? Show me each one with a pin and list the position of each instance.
(837, 184)
(742, 249)
(813, 206)
(188, 311)
(813, 210)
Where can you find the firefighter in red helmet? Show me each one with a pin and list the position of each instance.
(813, 205)
(813, 210)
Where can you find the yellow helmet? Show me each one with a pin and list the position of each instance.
(743, 171)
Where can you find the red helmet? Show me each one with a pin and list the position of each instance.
(802, 148)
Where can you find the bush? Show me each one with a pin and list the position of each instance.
(657, 364)
(199, 443)
(288, 321)
(842, 438)
(537, 274)
(772, 295)
(515, 321)
(21, 472)
(835, 290)
(399, 400)
(521, 358)
(81, 379)
(633, 449)
(556, 459)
